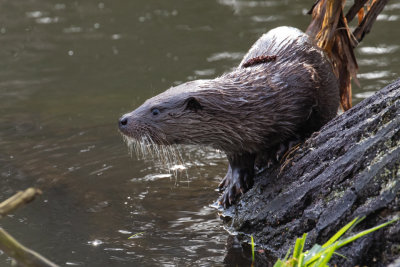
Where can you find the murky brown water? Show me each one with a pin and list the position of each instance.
(69, 69)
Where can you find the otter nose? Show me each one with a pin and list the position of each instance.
(123, 122)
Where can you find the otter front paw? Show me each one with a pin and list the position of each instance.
(238, 179)
(235, 185)
(226, 181)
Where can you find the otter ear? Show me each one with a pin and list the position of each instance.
(192, 104)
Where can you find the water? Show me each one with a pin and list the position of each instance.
(69, 69)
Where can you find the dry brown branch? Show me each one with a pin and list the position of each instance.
(20, 198)
(22, 255)
(366, 24)
(358, 4)
(329, 27)
(330, 30)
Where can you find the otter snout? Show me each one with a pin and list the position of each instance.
(123, 123)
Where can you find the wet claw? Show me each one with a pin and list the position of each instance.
(225, 182)
(236, 182)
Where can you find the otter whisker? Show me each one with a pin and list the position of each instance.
(146, 147)
(130, 142)
(149, 145)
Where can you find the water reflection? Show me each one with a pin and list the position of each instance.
(378, 50)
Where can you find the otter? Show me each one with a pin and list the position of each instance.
(283, 90)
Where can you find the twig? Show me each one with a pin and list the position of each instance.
(358, 4)
(369, 19)
(20, 198)
(24, 256)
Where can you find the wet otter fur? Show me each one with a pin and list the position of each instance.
(249, 113)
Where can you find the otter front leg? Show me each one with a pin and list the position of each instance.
(239, 177)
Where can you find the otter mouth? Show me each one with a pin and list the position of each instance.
(146, 142)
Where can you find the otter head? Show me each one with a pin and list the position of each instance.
(221, 113)
(172, 117)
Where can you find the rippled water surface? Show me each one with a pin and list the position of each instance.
(69, 69)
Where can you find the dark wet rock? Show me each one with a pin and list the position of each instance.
(350, 168)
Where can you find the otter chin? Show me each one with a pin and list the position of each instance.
(283, 90)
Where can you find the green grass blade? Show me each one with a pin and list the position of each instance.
(252, 247)
(340, 255)
(316, 249)
(279, 263)
(327, 255)
(319, 256)
(287, 254)
(312, 259)
(365, 232)
(339, 233)
(301, 260)
(299, 246)
(357, 222)
(350, 239)
(135, 235)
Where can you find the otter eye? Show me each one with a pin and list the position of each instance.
(155, 111)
